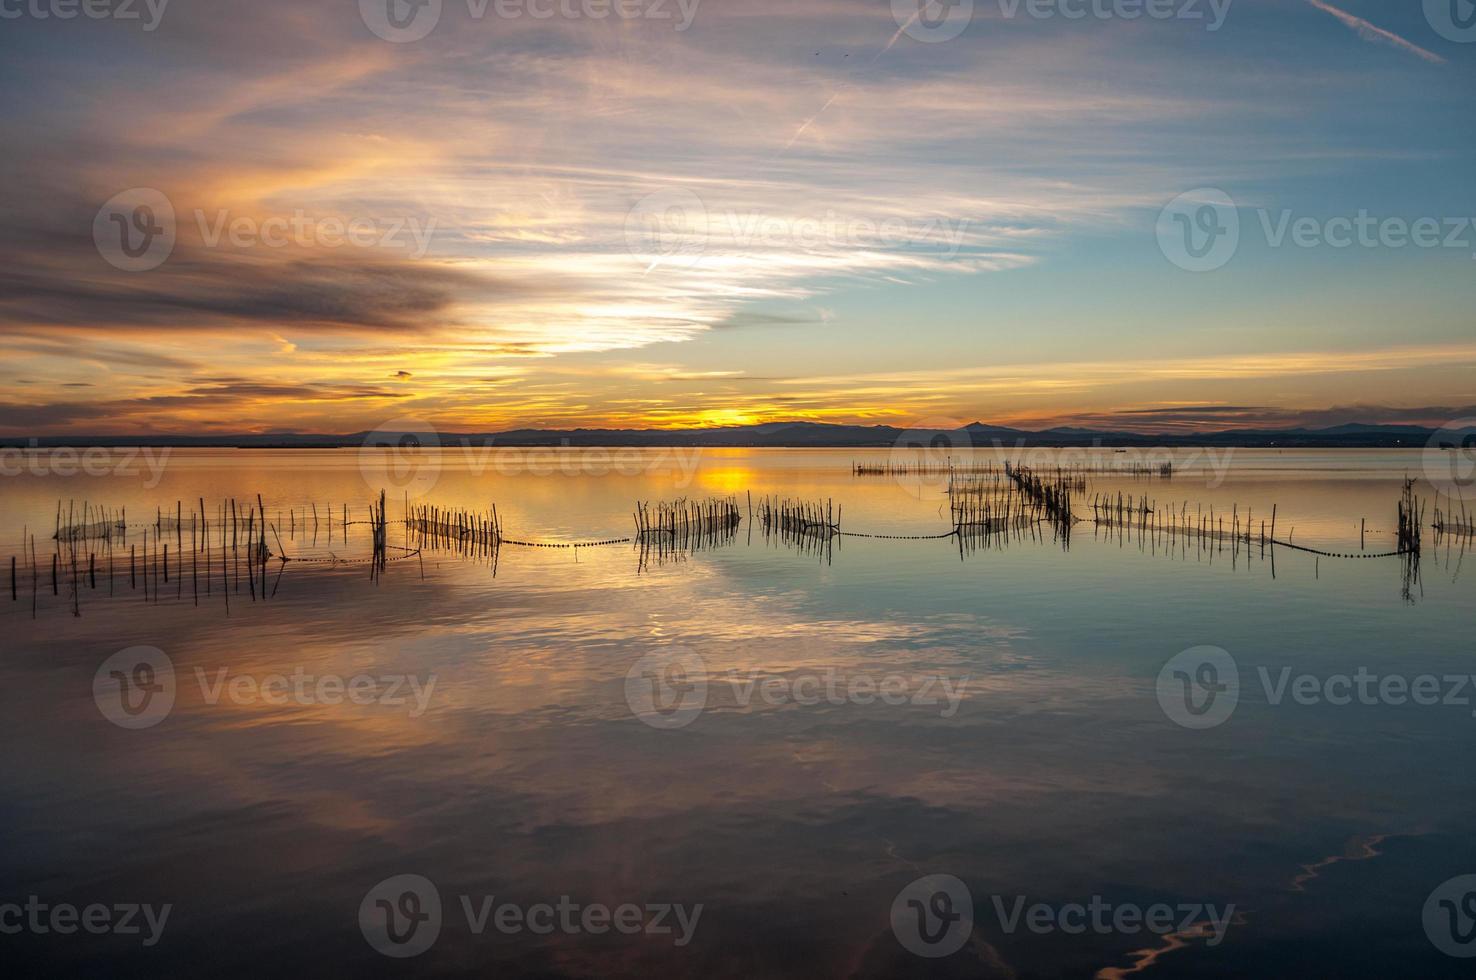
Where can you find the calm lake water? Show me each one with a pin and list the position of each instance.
(739, 761)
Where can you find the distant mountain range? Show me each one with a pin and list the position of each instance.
(789, 434)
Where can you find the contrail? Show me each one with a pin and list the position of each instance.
(910, 21)
(800, 132)
(884, 49)
(1369, 32)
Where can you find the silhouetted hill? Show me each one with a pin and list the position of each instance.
(788, 434)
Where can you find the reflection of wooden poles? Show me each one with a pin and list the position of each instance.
(205, 543)
(225, 573)
(378, 536)
(1448, 522)
(1411, 514)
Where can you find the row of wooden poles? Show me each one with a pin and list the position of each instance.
(1076, 473)
(1411, 516)
(921, 468)
(1145, 516)
(986, 506)
(1458, 524)
(89, 540)
(687, 520)
(1051, 497)
(477, 531)
(799, 517)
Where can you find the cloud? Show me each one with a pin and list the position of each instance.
(1370, 32)
(532, 146)
(201, 408)
(1212, 418)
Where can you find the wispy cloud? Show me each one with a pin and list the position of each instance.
(1371, 32)
(937, 179)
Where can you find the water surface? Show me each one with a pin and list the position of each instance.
(1053, 773)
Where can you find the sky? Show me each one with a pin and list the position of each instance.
(342, 215)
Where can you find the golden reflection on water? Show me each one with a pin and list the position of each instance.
(530, 773)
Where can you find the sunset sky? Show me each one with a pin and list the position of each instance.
(741, 211)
